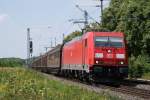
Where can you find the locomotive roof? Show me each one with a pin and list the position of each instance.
(117, 34)
(74, 39)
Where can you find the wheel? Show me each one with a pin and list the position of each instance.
(89, 78)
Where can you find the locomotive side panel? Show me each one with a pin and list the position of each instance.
(72, 55)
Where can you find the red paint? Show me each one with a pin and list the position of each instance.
(82, 51)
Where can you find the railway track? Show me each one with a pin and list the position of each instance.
(135, 82)
(135, 91)
(145, 94)
(126, 89)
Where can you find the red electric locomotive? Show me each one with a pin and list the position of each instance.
(96, 55)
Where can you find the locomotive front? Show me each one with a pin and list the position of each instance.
(110, 55)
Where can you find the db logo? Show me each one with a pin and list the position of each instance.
(109, 55)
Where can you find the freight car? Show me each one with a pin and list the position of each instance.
(93, 56)
(50, 62)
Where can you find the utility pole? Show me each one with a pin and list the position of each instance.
(28, 46)
(101, 6)
(51, 43)
(84, 21)
(101, 12)
(55, 41)
(46, 48)
(85, 17)
(63, 38)
(31, 47)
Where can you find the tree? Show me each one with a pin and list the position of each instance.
(72, 35)
(133, 18)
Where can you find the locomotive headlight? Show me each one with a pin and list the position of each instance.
(96, 62)
(120, 56)
(121, 62)
(98, 55)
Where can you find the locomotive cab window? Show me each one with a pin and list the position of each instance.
(101, 41)
(109, 42)
(116, 41)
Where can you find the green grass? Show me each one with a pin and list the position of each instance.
(25, 84)
(146, 76)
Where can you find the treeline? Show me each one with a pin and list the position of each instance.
(72, 35)
(12, 62)
(133, 18)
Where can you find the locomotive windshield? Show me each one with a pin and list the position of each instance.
(109, 42)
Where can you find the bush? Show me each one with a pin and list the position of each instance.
(72, 35)
(138, 66)
(11, 62)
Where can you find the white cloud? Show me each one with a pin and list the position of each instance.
(3, 17)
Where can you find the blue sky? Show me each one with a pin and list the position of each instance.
(17, 15)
